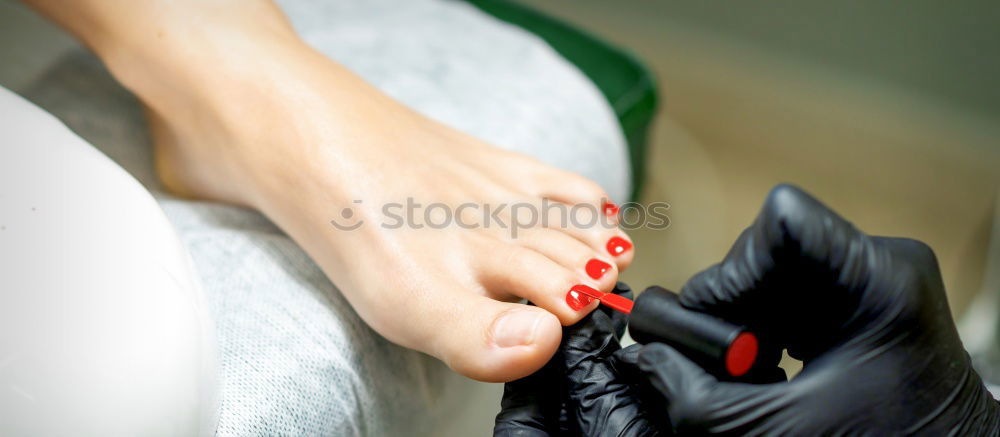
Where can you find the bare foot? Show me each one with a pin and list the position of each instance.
(278, 127)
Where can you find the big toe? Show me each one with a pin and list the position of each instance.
(500, 341)
(479, 337)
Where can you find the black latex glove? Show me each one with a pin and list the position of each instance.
(584, 389)
(867, 315)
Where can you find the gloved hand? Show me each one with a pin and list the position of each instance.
(584, 389)
(867, 316)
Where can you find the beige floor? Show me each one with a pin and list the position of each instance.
(739, 119)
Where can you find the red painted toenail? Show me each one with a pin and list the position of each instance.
(618, 246)
(610, 209)
(597, 268)
(580, 296)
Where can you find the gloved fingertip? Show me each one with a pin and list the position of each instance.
(653, 354)
(665, 366)
(622, 289)
(629, 354)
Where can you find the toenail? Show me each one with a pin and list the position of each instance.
(618, 246)
(610, 209)
(580, 296)
(516, 328)
(597, 268)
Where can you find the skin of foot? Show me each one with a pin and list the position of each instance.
(242, 111)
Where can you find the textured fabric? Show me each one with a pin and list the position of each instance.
(457, 65)
(296, 358)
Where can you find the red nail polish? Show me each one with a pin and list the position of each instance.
(597, 268)
(618, 246)
(580, 296)
(610, 209)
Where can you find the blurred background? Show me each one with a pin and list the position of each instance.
(889, 113)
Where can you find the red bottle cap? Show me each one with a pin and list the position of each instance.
(742, 353)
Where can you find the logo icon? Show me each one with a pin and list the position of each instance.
(347, 214)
